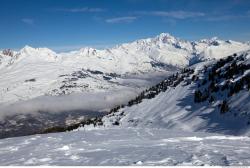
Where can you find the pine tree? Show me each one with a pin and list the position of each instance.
(197, 96)
(211, 99)
(224, 107)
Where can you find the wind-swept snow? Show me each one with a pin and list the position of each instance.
(125, 147)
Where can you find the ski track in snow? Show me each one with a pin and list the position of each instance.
(121, 146)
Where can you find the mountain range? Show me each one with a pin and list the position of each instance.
(33, 72)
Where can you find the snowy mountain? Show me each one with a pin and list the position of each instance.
(39, 86)
(45, 71)
(156, 101)
(211, 96)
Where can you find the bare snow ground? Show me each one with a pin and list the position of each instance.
(125, 146)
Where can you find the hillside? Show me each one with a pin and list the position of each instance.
(210, 97)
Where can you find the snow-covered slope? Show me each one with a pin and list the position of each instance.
(124, 147)
(213, 98)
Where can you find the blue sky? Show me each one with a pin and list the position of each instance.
(71, 24)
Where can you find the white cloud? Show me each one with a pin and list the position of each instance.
(229, 17)
(173, 14)
(126, 19)
(28, 21)
(178, 14)
(223, 18)
(83, 9)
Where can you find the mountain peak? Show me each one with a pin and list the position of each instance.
(87, 51)
(212, 41)
(215, 38)
(27, 49)
(165, 35)
(166, 38)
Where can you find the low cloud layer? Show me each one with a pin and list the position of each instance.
(81, 101)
